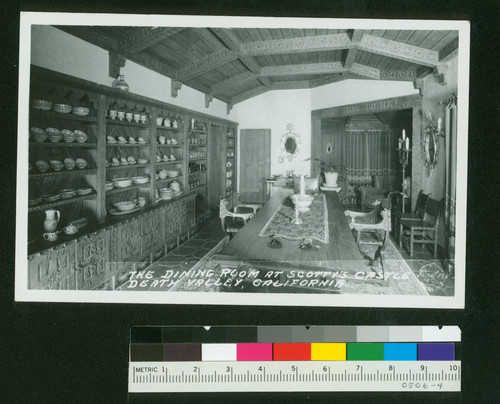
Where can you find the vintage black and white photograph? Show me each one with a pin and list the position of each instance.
(229, 160)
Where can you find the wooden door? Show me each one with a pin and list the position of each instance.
(216, 166)
(255, 164)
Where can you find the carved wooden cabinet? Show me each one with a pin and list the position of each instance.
(92, 260)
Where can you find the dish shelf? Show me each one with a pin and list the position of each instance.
(169, 145)
(124, 167)
(51, 114)
(164, 163)
(62, 144)
(126, 123)
(169, 129)
(127, 144)
(61, 202)
(64, 172)
(132, 187)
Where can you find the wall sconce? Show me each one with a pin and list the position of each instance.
(431, 142)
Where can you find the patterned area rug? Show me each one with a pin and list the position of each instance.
(213, 276)
(314, 226)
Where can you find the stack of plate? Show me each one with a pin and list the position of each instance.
(108, 186)
(84, 191)
(140, 180)
(67, 193)
(172, 173)
(122, 182)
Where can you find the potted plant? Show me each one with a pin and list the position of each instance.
(327, 171)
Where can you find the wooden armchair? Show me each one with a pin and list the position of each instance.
(232, 221)
(422, 231)
(377, 221)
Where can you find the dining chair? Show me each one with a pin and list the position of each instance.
(422, 231)
(417, 214)
(232, 221)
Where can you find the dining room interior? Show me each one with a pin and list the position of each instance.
(242, 159)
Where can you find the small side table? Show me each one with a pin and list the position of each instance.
(282, 182)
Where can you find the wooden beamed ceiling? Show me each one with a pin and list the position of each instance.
(233, 65)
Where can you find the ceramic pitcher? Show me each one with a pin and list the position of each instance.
(52, 217)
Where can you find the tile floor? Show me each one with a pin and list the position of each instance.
(427, 269)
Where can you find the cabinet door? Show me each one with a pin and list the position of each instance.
(93, 260)
(53, 269)
(152, 230)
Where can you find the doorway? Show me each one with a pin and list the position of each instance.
(255, 164)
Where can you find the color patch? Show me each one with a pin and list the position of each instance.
(372, 334)
(218, 352)
(365, 352)
(181, 352)
(405, 334)
(292, 352)
(254, 352)
(274, 334)
(328, 352)
(400, 352)
(146, 335)
(435, 352)
(340, 334)
(146, 352)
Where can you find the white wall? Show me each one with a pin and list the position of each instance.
(275, 110)
(59, 51)
(353, 91)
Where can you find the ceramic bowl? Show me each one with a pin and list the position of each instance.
(172, 173)
(38, 134)
(125, 206)
(62, 108)
(42, 166)
(162, 174)
(69, 163)
(42, 105)
(80, 111)
(131, 160)
(81, 137)
(84, 191)
(302, 202)
(142, 161)
(140, 180)
(80, 223)
(56, 165)
(68, 136)
(55, 135)
(52, 198)
(81, 163)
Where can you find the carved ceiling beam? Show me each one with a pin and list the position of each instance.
(229, 107)
(206, 64)
(231, 82)
(266, 81)
(449, 51)
(441, 73)
(251, 65)
(290, 85)
(306, 68)
(398, 50)
(294, 45)
(249, 94)
(365, 71)
(145, 37)
(357, 34)
(208, 100)
(227, 37)
(398, 75)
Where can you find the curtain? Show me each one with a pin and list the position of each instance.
(450, 105)
(368, 153)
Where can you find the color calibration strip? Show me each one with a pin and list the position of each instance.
(292, 352)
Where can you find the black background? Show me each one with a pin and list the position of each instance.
(61, 352)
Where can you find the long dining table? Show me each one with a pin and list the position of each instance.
(341, 249)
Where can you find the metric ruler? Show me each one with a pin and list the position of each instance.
(166, 377)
